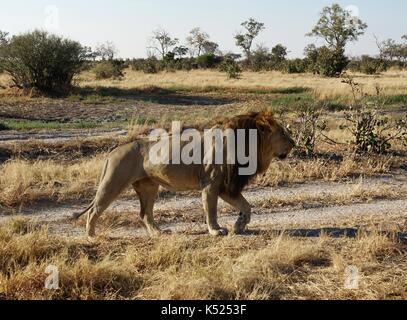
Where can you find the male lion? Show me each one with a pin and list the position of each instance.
(131, 165)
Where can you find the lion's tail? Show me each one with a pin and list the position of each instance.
(77, 215)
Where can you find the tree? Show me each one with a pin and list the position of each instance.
(197, 40)
(210, 47)
(3, 43)
(106, 51)
(311, 58)
(3, 38)
(180, 51)
(49, 68)
(162, 42)
(279, 53)
(261, 58)
(404, 37)
(245, 40)
(338, 27)
(390, 50)
(231, 66)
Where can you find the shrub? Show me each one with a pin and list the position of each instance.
(354, 65)
(308, 128)
(137, 64)
(260, 60)
(371, 130)
(187, 64)
(264, 59)
(231, 67)
(152, 65)
(326, 61)
(109, 69)
(294, 66)
(369, 65)
(43, 61)
(3, 126)
(207, 61)
(331, 63)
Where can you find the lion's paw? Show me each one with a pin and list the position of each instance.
(222, 232)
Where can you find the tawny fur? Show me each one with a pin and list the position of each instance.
(129, 165)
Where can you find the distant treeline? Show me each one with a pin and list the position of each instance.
(51, 67)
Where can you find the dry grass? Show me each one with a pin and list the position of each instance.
(358, 193)
(63, 151)
(392, 82)
(270, 266)
(4, 80)
(24, 181)
(302, 170)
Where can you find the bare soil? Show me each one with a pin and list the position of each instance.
(183, 213)
(113, 106)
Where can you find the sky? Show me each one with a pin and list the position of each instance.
(128, 23)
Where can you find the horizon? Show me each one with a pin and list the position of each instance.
(128, 24)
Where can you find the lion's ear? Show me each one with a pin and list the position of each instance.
(263, 127)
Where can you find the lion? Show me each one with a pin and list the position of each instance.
(130, 165)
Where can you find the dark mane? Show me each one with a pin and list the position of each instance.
(262, 122)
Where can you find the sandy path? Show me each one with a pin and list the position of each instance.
(278, 218)
(59, 135)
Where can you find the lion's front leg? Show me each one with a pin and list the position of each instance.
(210, 196)
(241, 205)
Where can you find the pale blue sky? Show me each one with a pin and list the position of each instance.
(128, 23)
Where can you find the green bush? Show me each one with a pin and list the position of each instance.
(372, 131)
(354, 65)
(152, 65)
(294, 66)
(325, 61)
(307, 129)
(331, 63)
(260, 59)
(369, 65)
(207, 61)
(187, 64)
(231, 67)
(263, 59)
(137, 64)
(109, 69)
(43, 61)
(171, 63)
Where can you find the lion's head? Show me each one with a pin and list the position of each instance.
(273, 142)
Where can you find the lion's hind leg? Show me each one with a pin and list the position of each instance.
(115, 180)
(147, 190)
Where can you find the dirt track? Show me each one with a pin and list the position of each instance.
(303, 217)
(44, 136)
